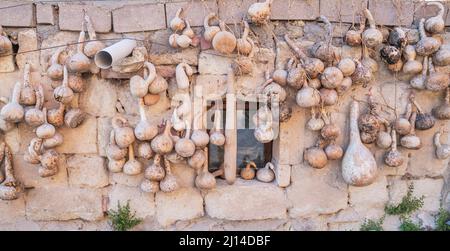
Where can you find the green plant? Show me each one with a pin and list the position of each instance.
(443, 220)
(372, 225)
(123, 219)
(408, 225)
(408, 204)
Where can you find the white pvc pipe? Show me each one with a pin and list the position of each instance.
(114, 53)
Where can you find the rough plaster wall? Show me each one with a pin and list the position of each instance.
(77, 197)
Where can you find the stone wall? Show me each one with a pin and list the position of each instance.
(302, 198)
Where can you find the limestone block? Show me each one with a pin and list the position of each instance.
(64, 204)
(188, 201)
(371, 196)
(315, 191)
(345, 226)
(423, 163)
(171, 56)
(431, 189)
(210, 62)
(81, 140)
(18, 16)
(27, 42)
(310, 224)
(391, 223)
(126, 180)
(45, 13)
(99, 99)
(185, 174)
(295, 10)
(245, 200)
(232, 11)
(71, 15)
(87, 171)
(132, 18)
(142, 203)
(104, 128)
(213, 86)
(263, 225)
(12, 210)
(282, 175)
(7, 64)
(342, 11)
(194, 11)
(385, 12)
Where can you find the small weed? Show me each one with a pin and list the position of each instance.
(123, 219)
(408, 204)
(408, 225)
(443, 220)
(372, 225)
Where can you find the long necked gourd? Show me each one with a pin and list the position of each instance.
(359, 167)
(442, 150)
(435, 24)
(27, 93)
(79, 62)
(182, 74)
(8, 188)
(138, 85)
(93, 45)
(13, 111)
(259, 13)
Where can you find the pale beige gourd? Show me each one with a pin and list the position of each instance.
(56, 116)
(54, 141)
(76, 82)
(5, 126)
(328, 97)
(402, 124)
(46, 130)
(49, 163)
(442, 57)
(242, 65)
(5, 42)
(185, 147)
(333, 151)
(210, 31)
(144, 130)
(138, 85)
(33, 151)
(116, 166)
(259, 13)
(347, 66)
(307, 96)
(369, 122)
(148, 186)
(244, 45)
(312, 66)
(435, 24)
(345, 85)
(424, 120)
(324, 50)
(196, 161)
(443, 111)
(426, 45)
(315, 156)
(436, 81)
(9, 187)
(35, 116)
(183, 41)
(362, 75)
(330, 130)
(177, 23)
(205, 180)
(13, 111)
(216, 136)
(132, 166)
(169, 183)
(264, 132)
(79, 62)
(248, 173)
(359, 167)
(266, 174)
(331, 77)
(199, 135)
(162, 143)
(442, 150)
(224, 41)
(367, 61)
(384, 139)
(144, 150)
(188, 31)
(177, 122)
(63, 93)
(27, 93)
(393, 157)
(113, 151)
(411, 141)
(418, 82)
(93, 45)
(353, 37)
(123, 133)
(182, 73)
(315, 123)
(296, 77)
(371, 37)
(411, 66)
(158, 85)
(273, 90)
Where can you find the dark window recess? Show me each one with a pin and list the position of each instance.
(249, 149)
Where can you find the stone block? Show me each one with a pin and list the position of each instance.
(423, 163)
(210, 62)
(213, 86)
(126, 180)
(431, 189)
(233, 11)
(295, 10)
(369, 197)
(12, 210)
(188, 201)
(310, 224)
(185, 174)
(45, 13)
(17, 16)
(282, 175)
(133, 18)
(28, 42)
(99, 99)
(193, 11)
(87, 171)
(142, 203)
(80, 140)
(342, 11)
(71, 16)
(45, 204)
(387, 12)
(245, 200)
(427, 11)
(316, 191)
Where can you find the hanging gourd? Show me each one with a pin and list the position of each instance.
(442, 150)
(347, 66)
(132, 166)
(266, 174)
(5, 42)
(196, 161)
(182, 73)
(54, 141)
(353, 36)
(216, 136)
(144, 150)
(333, 151)
(93, 45)
(315, 123)
(8, 188)
(210, 31)
(384, 139)
(123, 133)
(162, 143)
(13, 111)
(56, 116)
(63, 93)
(204, 179)
(426, 45)
(402, 124)
(371, 37)
(436, 81)
(138, 85)
(224, 41)
(411, 141)
(185, 147)
(324, 50)
(27, 93)
(312, 66)
(188, 31)
(55, 71)
(418, 82)
(46, 130)
(397, 37)
(35, 116)
(443, 111)
(393, 157)
(435, 24)
(259, 13)
(244, 45)
(359, 167)
(169, 183)
(330, 131)
(442, 57)
(362, 75)
(424, 120)
(307, 96)
(248, 173)
(411, 66)
(315, 156)
(144, 130)
(177, 23)
(79, 62)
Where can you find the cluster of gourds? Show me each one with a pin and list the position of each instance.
(178, 24)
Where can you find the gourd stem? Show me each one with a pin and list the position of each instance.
(246, 30)
(207, 19)
(26, 75)
(131, 153)
(394, 141)
(222, 26)
(39, 97)
(167, 128)
(90, 27)
(65, 77)
(447, 96)
(188, 129)
(81, 39)
(425, 67)
(151, 73)
(422, 33)
(299, 53)
(179, 12)
(437, 139)
(439, 5)
(217, 119)
(369, 17)
(112, 139)
(16, 93)
(354, 114)
(412, 122)
(45, 115)
(9, 172)
(167, 165)
(362, 24)
(55, 57)
(328, 27)
(142, 110)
